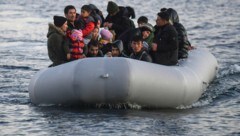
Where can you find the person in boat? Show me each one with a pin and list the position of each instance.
(147, 31)
(77, 47)
(116, 50)
(117, 19)
(183, 42)
(165, 45)
(105, 40)
(87, 22)
(139, 53)
(93, 49)
(98, 14)
(95, 34)
(57, 43)
(127, 37)
(142, 20)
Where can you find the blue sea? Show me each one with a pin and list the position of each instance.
(212, 24)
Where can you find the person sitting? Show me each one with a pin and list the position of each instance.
(147, 34)
(116, 50)
(95, 34)
(57, 43)
(165, 45)
(93, 49)
(142, 20)
(139, 52)
(105, 40)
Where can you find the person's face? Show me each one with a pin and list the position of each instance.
(84, 13)
(145, 34)
(137, 46)
(95, 33)
(71, 15)
(160, 21)
(64, 27)
(93, 50)
(115, 52)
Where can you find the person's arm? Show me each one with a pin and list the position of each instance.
(88, 29)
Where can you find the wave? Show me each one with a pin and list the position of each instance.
(17, 67)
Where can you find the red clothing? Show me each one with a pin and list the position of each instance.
(88, 25)
(76, 48)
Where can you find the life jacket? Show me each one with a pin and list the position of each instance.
(77, 44)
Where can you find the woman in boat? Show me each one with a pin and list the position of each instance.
(57, 43)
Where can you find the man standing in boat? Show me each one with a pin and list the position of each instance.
(165, 45)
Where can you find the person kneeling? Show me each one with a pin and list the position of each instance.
(139, 51)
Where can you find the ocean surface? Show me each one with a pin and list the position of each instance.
(212, 24)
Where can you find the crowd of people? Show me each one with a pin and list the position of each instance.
(89, 34)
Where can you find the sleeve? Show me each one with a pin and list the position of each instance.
(146, 57)
(123, 26)
(88, 29)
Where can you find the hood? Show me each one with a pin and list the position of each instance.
(53, 29)
(118, 44)
(173, 15)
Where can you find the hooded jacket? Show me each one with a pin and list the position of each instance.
(183, 41)
(57, 45)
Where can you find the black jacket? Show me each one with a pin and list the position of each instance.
(142, 55)
(121, 22)
(183, 41)
(167, 46)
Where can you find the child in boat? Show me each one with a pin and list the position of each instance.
(87, 22)
(105, 40)
(77, 44)
(116, 50)
(147, 31)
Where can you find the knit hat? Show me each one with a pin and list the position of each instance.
(106, 34)
(147, 27)
(59, 20)
(112, 7)
(164, 15)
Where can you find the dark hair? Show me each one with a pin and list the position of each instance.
(164, 15)
(163, 9)
(142, 19)
(67, 8)
(86, 8)
(94, 43)
(137, 38)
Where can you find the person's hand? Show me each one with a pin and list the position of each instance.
(68, 56)
(154, 47)
(109, 54)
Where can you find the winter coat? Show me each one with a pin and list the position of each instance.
(58, 45)
(121, 22)
(167, 46)
(126, 38)
(142, 55)
(87, 26)
(183, 41)
(76, 45)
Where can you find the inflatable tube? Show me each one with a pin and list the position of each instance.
(124, 80)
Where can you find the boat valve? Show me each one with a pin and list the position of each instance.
(105, 76)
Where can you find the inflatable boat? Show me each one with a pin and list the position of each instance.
(123, 80)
